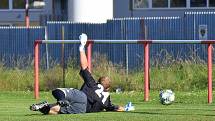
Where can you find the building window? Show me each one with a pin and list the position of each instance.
(198, 3)
(4, 4)
(178, 3)
(160, 3)
(211, 3)
(20, 4)
(140, 4)
(186, 4)
(31, 4)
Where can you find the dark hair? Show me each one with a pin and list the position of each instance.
(104, 81)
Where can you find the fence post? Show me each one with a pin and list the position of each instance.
(146, 71)
(63, 57)
(36, 69)
(210, 64)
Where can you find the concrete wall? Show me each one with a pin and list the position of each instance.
(17, 16)
(122, 8)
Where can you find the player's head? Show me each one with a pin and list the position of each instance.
(105, 82)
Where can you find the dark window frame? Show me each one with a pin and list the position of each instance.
(196, 3)
(159, 5)
(4, 5)
(23, 4)
(178, 6)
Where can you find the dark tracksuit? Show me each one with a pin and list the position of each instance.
(97, 99)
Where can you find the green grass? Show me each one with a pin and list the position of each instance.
(189, 106)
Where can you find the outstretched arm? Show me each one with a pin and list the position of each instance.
(83, 57)
(120, 109)
(112, 107)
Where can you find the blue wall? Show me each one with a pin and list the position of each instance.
(18, 42)
(16, 48)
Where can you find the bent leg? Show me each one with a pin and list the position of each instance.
(71, 101)
(59, 94)
(77, 102)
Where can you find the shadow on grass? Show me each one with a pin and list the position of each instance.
(35, 114)
(191, 112)
(179, 114)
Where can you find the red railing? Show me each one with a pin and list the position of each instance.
(146, 58)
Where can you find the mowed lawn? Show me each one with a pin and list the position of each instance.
(188, 106)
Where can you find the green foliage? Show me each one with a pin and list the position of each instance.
(15, 79)
(181, 76)
(51, 78)
(167, 73)
(102, 67)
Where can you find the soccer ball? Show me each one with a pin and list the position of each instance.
(167, 97)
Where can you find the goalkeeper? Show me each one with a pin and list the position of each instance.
(92, 97)
(98, 97)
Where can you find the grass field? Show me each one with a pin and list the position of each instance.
(188, 106)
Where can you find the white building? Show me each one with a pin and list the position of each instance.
(12, 12)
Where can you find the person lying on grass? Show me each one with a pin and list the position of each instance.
(92, 97)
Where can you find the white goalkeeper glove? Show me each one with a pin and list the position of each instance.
(83, 40)
(129, 107)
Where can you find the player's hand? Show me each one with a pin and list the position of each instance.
(83, 39)
(120, 109)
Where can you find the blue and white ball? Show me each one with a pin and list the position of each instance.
(167, 97)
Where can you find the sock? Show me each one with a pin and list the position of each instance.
(46, 109)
